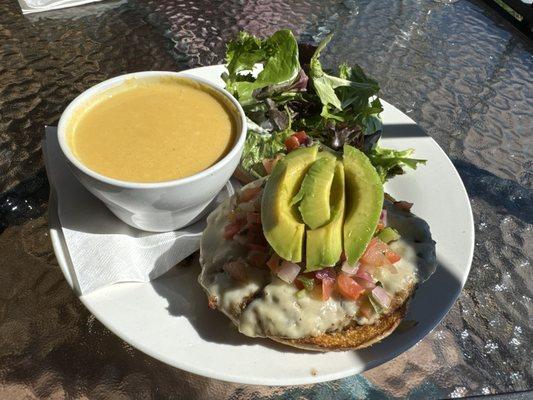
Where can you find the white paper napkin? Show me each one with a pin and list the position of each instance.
(33, 6)
(103, 249)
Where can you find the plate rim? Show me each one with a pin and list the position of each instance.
(62, 256)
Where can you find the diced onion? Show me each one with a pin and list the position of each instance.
(381, 296)
(288, 271)
(364, 275)
(383, 217)
(349, 269)
(365, 284)
(326, 274)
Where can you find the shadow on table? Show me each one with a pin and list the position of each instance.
(498, 192)
(186, 298)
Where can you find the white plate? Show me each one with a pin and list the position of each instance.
(169, 318)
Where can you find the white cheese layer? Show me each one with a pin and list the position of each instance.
(267, 306)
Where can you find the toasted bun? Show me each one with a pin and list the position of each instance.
(355, 336)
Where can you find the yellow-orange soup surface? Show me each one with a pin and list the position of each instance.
(153, 130)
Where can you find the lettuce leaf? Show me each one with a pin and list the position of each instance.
(279, 56)
(292, 94)
(389, 162)
(259, 147)
(350, 98)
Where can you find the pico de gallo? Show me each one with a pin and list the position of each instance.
(352, 282)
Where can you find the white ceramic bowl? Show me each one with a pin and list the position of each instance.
(161, 206)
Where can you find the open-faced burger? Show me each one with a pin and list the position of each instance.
(315, 256)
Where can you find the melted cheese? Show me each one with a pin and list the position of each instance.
(276, 311)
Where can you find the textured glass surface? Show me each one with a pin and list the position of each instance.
(456, 68)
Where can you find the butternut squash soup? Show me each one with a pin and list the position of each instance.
(153, 130)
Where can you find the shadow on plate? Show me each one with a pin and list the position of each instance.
(403, 131)
(186, 298)
(429, 305)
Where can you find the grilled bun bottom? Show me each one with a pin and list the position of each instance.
(355, 336)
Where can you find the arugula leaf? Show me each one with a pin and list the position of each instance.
(389, 162)
(279, 56)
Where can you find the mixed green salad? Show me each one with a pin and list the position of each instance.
(291, 101)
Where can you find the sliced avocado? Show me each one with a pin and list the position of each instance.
(281, 223)
(314, 194)
(326, 153)
(324, 245)
(364, 200)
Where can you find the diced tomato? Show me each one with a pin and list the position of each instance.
(373, 255)
(253, 218)
(273, 263)
(254, 234)
(403, 205)
(292, 143)
(257, 258)
(326, 278)
(256, 247)
(381, 245)
(392, 256)
(378, 254)
(301, 136)
(299, 285)
(327, 288)
(249, 194)
(270, 163)
(233, 228)
(366, 309)
(348, 287)
(237, 270)
(370, 269)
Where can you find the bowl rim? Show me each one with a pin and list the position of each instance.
(117, 80)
